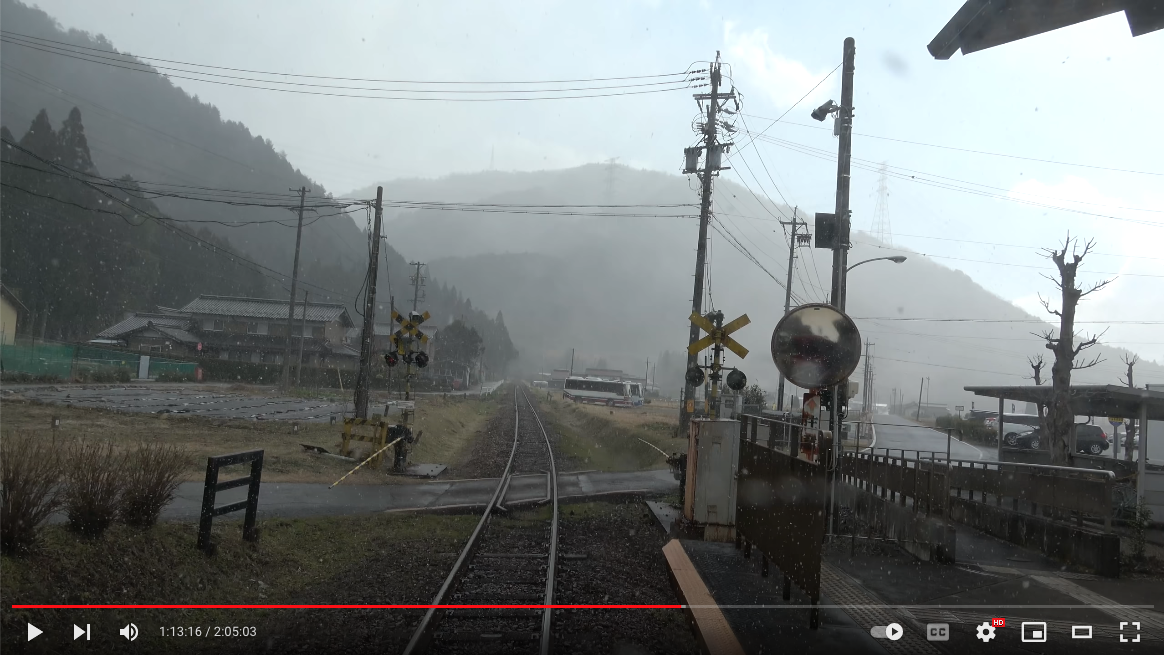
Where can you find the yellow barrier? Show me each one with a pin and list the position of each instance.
(375, 455)
(378, 437)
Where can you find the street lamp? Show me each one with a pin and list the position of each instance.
(896, 259)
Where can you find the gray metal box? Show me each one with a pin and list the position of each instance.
(712, 461)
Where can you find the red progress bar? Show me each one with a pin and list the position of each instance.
(338, 607)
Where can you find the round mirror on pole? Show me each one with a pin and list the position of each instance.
(816, 346)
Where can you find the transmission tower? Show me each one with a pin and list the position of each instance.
(882, 229)
(610, 171)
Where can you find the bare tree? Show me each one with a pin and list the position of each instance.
(1037, 365)
(1060, 417)
(1129, 422)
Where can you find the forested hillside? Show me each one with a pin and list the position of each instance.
(212, 170)
(80, 254)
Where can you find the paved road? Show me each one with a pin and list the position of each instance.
(303, 500)
(895, 432)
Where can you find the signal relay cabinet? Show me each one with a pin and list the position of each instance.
(713, 452)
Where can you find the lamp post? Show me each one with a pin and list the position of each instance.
(896, 259)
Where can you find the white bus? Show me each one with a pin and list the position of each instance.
(602, 392)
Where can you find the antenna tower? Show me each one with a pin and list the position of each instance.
(882, 229)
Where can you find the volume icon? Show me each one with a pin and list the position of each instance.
(129, 632)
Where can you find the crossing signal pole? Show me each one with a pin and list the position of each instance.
(713, 151)
(367, 336)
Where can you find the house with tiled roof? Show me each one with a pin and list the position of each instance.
(240, 329)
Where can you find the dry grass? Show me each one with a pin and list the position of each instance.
(612, 439)
(94, 476)
(153, 473)
(29, 472)
(131, 566)
(448, 426)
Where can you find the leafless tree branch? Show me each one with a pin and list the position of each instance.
(1087, 343)
(1097, 286)
(1077, 366)
(1047, 306)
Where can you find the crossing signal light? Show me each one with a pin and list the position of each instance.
(695, 376)
(390, 359)
(826, 398)
(421, 359)
(736, 380)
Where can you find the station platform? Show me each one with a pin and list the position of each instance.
(875, 584)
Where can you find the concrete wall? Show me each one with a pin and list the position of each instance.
(1069, 544)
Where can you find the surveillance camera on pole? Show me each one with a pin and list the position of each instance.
(822, 112)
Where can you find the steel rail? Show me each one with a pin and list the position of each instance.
(423, 635)
(547, 613)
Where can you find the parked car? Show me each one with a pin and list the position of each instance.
(1012, 433)
(1090, 439)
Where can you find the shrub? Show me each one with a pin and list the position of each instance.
(29, 472)
(152, 472)
(94, 477)
(105, 375)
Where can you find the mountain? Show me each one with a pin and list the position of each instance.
(618, 290)
(140, 126)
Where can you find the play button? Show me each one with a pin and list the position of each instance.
(33, 632)
(893, 632)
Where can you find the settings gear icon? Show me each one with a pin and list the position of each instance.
(985, 632)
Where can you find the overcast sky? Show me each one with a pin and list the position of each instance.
(1083, 95)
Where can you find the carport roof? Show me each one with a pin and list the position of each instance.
(1087, 400)
(982, 24)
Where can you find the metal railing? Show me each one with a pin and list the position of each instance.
(782, 500)
(928, 479)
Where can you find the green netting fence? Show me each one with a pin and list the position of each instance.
(35, 360)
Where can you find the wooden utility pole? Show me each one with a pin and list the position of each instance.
(294, 281)
(302, 340)
(711, 163)
(921, 385)
(795, 223)
(367, 336)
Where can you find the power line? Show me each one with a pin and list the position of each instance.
(987, 261)
(822, 81)
(677, 86)
(822, 154)
(348, 79)
(1017, 245)
(976, 152)
(167, 223)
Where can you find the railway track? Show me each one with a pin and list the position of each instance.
(501, 565)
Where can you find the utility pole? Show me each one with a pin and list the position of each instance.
(865, 393)
(417, 282)
(286, 378)
(921, 385)
(367, 335)
(795, 223)
(391, 308)
(571, 362)
(841, 246)
(711, 163)
(302, 340)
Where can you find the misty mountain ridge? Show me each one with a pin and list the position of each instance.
(142, 127)
(619, 289)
